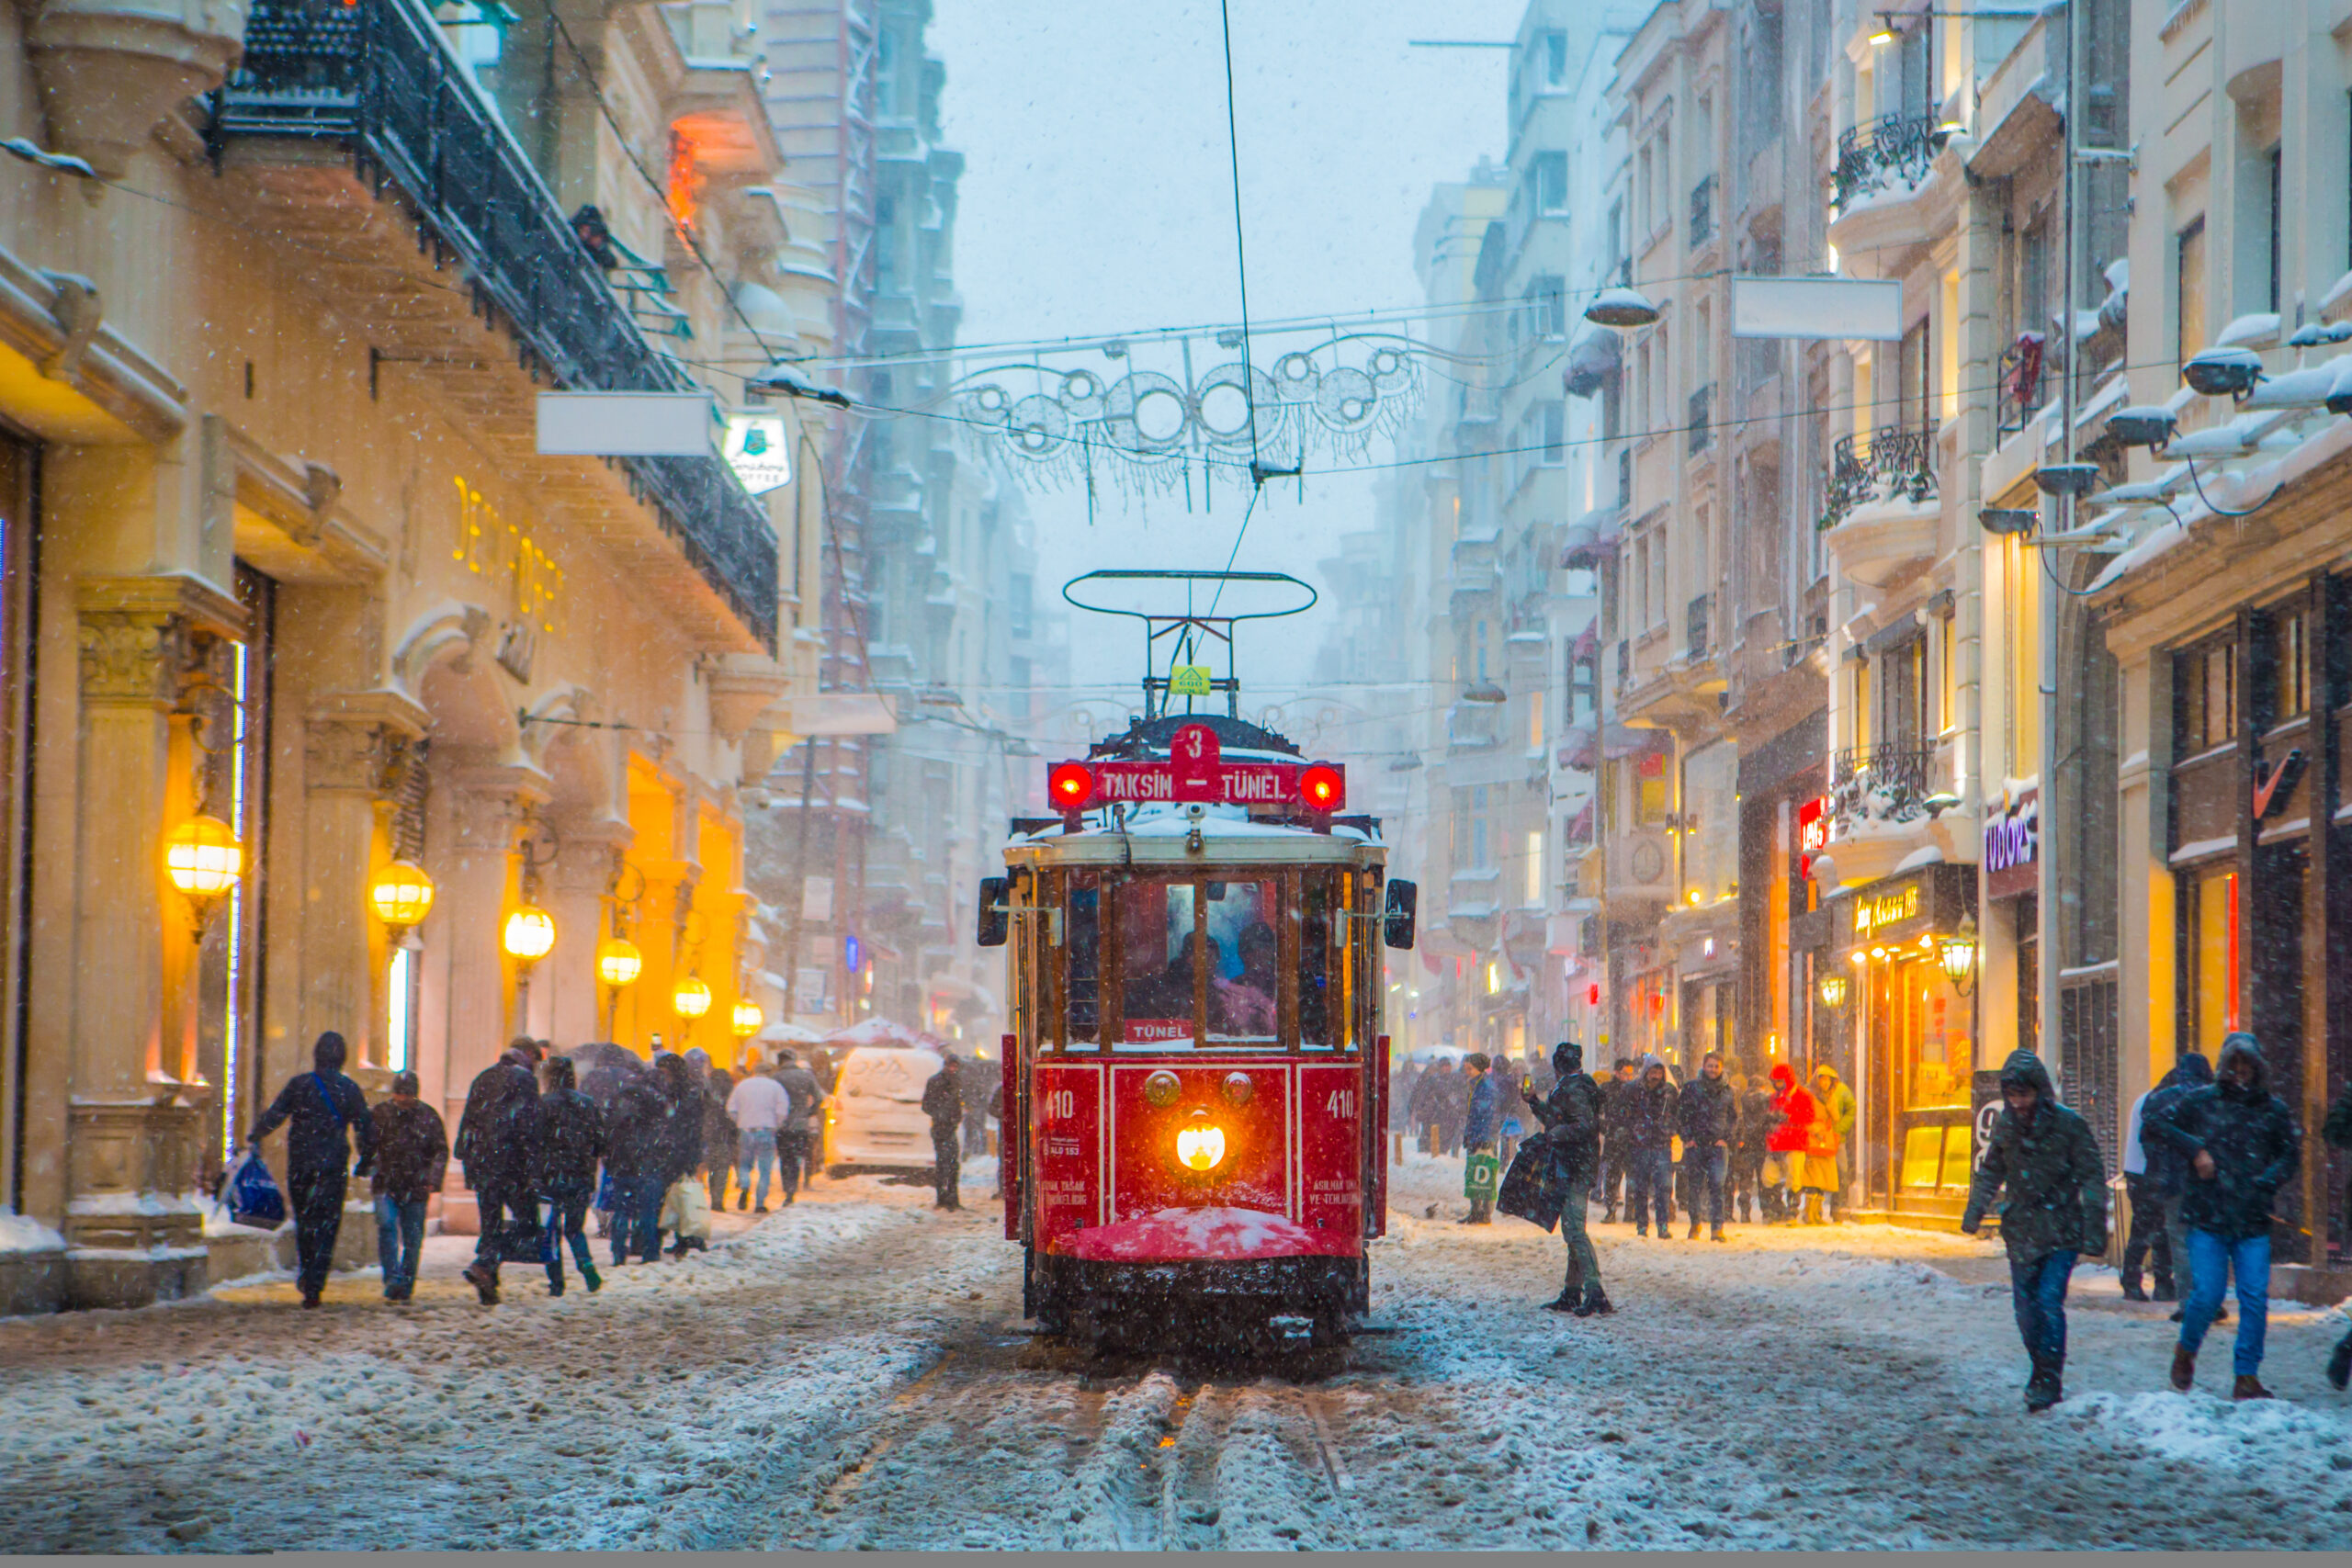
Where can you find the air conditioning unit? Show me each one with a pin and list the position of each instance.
(1641, 865)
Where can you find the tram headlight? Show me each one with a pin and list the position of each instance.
(1200, 1143)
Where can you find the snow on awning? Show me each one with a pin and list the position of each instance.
(1590, 539)
(1594, 359)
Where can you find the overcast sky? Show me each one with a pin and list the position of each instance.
(1097, 199)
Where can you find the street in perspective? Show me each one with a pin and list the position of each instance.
(914, 774)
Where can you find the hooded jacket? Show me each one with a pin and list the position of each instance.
(2252, 1135)
(567, 1140)
(942, 1101)
(1707, 1112)
(494, 1130)
(1836, 1102)
(2050, 1165)
(1757, 1121)
(326, 1108)
(1794, 1104)
(1481, 1123)
(1571, 1117)
(637, 1131)
(2166, 1168)
(412, 1150)
(1646, 1112)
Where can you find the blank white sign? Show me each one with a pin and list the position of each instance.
(626, 424)
(1816, 308)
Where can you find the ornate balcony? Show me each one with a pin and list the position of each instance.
(1895, 462)
(1879, 153)
(373, 76)
(1888, 783)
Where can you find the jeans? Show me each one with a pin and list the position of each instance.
(755, 1148)
(318, 1218)
(1705, 1169)
(568, 1217)
(1744, 1174)
(947, 1168)
(793, 1152)
(1649, 1175)
(400, 1239)
(1584, 1265)
(2214, 1260)
(2148, 1238)
(2038, 1290)
(637, 1207)
(508, 1209)
(2184, 1265)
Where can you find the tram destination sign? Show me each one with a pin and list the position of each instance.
(1194, 771)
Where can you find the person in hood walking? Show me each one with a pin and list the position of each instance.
(2054, 1211)
(1646, 1114)
(566, 1142)
(1480, 1126)
(2146, 1238)
(1571, 1116)
(1791, 1141)
(685, 1084)
(1836, 1102)
(942, 1101)
(412, 1157)
(2168, 1170)
(798, 1144)
(722, 1138)
(327, 1110)
(638, 1144)
(2337, 1131)
(1751, 1199)
(2242, 1145)
(494, 1148)
(1707, 1115)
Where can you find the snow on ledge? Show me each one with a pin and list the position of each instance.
(1926, 854)
(1219, 1233)
(19, 1234)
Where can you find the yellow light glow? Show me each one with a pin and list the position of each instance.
(1693, 897)
(690, 1000)
(619, 963)
(748, 1019)
(530, 933)
(1494, 979)
(1200, 1146)
(203, 857)
(401, 894)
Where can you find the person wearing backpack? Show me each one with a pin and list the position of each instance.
(326, 1109)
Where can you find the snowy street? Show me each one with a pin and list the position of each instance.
(851, 1371)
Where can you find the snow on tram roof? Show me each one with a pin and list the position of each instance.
(1158, 830)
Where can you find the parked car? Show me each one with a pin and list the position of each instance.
(877, 1109)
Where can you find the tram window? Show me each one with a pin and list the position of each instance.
(1084, 936)
(1317, 976)
(1160, 940)
(1244, 977)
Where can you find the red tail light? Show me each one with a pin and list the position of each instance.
(1071, 786)
(1322, 787)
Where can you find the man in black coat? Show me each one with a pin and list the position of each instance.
(1571, 1117)
(1751, 1199)
(1646, 1117)
(942, 1101)
(2242, 1145)
(567, 1140)
(494, 1148)
(1613, 1147)
(412, 1156)
(2167, 1171)
(639, 1152)
(1707, 1115)
(326, 1109)
(799, 1142)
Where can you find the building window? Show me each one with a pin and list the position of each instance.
(2290, 669)
(1947, 673)
(2206, 688)
(1556, 433)
(1551, 183)
(1556, 59)
(2215, 963)
(1534, 898)
(1547, 300)
(2188, 282)
(1651, 801)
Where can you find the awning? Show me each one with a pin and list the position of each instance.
(1594, 359)
(1590, 539)
(1623, 741)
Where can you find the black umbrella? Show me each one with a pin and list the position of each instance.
(604, 1069)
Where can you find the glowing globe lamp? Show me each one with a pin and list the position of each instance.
(690, 1000)
(748, 1019)
(619, 963)
(203, 857)
(401, 894)
(529, 934)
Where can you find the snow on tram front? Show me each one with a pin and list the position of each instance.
(1194, 1087)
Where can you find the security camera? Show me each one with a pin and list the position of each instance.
(2147, 425)
(2067, 478)
(2007, 519)
(2217, 372)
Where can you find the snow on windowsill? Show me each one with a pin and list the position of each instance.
(2202, 848)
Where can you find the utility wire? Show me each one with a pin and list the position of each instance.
(1240, 261)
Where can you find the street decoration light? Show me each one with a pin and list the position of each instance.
(619, 963)
(204, 861)
(690, 1000)
(529, 935)
(401, 894)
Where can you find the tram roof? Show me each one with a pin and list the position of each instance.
(1157, 834)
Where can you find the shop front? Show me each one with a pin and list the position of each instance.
(1905, 948)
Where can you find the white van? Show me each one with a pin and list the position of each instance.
(876, 1109)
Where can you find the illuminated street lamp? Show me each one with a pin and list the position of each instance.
(401, 894)
(690, 1000)
(530, 933)
(619, 963)
(1833, 990)
(748, 1019)
(1960, 956)
(204, 861)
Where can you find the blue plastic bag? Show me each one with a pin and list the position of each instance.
(252, 1194)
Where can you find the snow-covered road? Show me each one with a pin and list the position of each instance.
(850, 1372)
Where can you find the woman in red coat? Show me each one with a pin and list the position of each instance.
(1792, 1143)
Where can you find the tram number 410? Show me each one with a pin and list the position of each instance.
(1342, 1104)
(1061, 1104)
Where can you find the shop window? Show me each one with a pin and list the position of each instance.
(1650, 801)
(2211, 924)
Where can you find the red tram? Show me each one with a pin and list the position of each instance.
(1195, 1081)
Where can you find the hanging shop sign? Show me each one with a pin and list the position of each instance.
(1898, 910)
(757, 447)
(1813, 833)
(2013, 846)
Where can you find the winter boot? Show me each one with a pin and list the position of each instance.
(1565, 1301)
(310, 1298)
(596, 1282)
(1715, 1234)
(2339, 1363)
(742, 1201)
(2250, 1387)
(2042, 1390)
(2184, 1368)
(1694, 1229)
(2132, 1292)
(2164, 1292)
(484, 1282)
(1595, 1304)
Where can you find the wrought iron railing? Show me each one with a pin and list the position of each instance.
(1895, 460)
(376, 76)
(1887, 783)
(1878, 153)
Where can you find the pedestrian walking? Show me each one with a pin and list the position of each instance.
(942, 1101)
(1791, 1142)
(2168, 1170)
(2043, 1164)
(1571, 1117)
(1707, 1115)
(494, 1147)
(2242, 1145)
(412, 1158)
(687, 1214)
(797, 1144)
(759, 1106)
(2337, 1131)
(2145, 1241)
(327, 1110)
(721, 1139)
(1836, 1102)
(1510, 1078)
(1480, 1128)
(637, 1143)
(1648, 1117)
(1615, 1150)
(1749, 1199)
(1453, 1108)
(567, 1144)
(1426, 1107)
